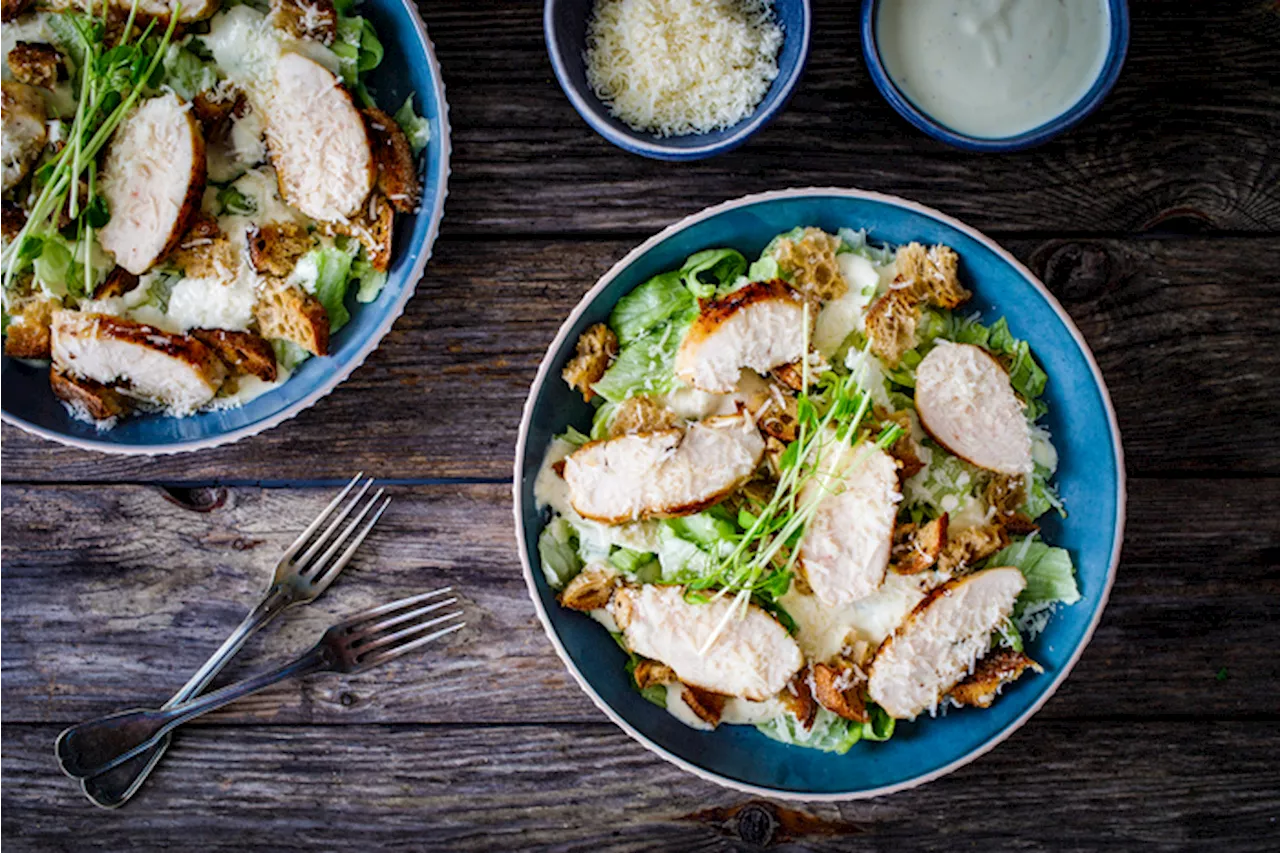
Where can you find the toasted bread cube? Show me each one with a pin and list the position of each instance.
(28, 332)
(394, 160)
(274, 248)
(596, 348)
(35, 64)
(312, 20)
(287, 312)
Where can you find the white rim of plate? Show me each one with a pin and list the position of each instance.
(327, 387)
(545, 369)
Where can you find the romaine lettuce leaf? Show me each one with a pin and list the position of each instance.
(646, 365)
(830, 732)
(333, 270)
(713, 270)
(558, 552)
(856, 242)
(645, 309)
(415, 127)
(1049, 572)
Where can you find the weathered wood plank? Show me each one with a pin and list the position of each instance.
(1173, 146)
(1060, 786)
(101, 615)
(1178, 326)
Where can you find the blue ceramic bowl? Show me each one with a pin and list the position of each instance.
(1090, 479)
(1107, 76)
(408, 66)
(564, 24)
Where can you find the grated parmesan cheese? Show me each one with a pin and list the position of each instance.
(673, 67)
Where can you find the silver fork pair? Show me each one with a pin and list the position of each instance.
(112, 756)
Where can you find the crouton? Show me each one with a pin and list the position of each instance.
(790, 375)
(11, 9)
(205, 251)
(28, 332)
(597, 348)
(777, 414)
(811, 263)
(373, 227)
(12, 220)
(839, 689)
(117, 283)
(287, 312)
(904, 450)
(1005, 493)
(705, 705)
(22, 122)
(930, 275)
(641, 414)
(35, 64)
(798, 699)
(917, 547)
(590, 589)
(650, 673)
(313, 20)
(967, 547)
(1018, 524)
(891, 325)
(93, 399)
(243, 352)
(215, 109)
(990, 674)
(274, 248)
(393, 158)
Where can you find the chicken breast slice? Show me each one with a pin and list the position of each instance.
(662, 474)
(966, 403)
(752, 656)
(846, 547)
(153, 179)
(175, 372)
(317, 141)
(22, 123)
(759, 326)
(941, 641)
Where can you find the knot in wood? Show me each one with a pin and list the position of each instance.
(756, 824)
(1078, 272)
(199, 499)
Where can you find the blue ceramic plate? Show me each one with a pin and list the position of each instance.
(408, 66)
(1090, 479)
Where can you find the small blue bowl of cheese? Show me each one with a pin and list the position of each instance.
(677, 79)
(995, 75)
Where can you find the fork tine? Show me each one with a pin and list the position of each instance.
(323, 538)
(328, 570)
(320, 519)
(381, 627)
(359, 620)
(398, 637)
(396, 651)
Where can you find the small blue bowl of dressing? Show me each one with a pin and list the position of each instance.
(565, 24)
(994, 75)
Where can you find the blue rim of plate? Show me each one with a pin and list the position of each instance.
(547, 370)
(635, 143)
(390, 312)
(1078, 112)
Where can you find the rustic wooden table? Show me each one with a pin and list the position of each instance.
(1157, 223)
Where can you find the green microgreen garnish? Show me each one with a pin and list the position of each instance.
(112, 80)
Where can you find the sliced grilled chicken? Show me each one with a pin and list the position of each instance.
(845, 551)
(317, 141)
(992, 673)
(22, 121)
(966, 403)
(752, 656)
(941, 641)
(175, 372)
(760, 326)
(153, 179)
(662, 474)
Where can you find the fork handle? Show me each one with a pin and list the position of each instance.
(114, 787)
(95, 747)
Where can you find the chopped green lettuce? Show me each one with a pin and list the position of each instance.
(370, 280)
(357, 47)
(713, 270)
(186, 73)
(856, 242)
(1048, 570)
(288, 354)
(333, 270)
(415, 127)
(558, 552)
(829, 733)
(880, 727)
(645, 366)
(646, 309)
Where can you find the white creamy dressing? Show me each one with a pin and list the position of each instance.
(993, 68)
(847, 314)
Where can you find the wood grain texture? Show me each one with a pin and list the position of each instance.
(100, 617)
(1059, 786)
(1188, 139)
(1179, 327)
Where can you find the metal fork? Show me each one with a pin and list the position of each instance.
(361, 642)
(299, 578)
